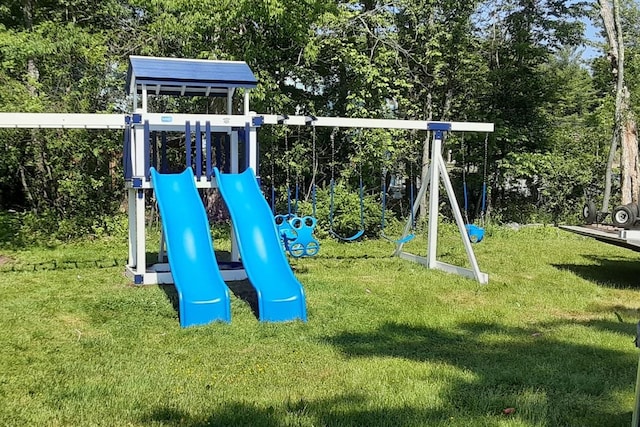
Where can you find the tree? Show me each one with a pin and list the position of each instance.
(520, 37)
(625, 132)
(56, 57)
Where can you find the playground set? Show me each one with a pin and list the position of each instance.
(221, 151)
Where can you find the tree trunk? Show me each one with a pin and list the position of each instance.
(625, 131)
(629, 167)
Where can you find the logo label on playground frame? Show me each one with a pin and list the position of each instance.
(166, 119)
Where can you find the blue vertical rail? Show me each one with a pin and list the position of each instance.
(187, 141)
(154, 150)
(247, 149)
(207, 134)
(164, 165)
(227, 153)
(126, 157)
(198, 151)
(147, 142)
(219, 151)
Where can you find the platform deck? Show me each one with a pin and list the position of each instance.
(629, 239)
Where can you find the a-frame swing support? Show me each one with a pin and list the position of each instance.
(431, 180)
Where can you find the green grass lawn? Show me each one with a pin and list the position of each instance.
(388, 342)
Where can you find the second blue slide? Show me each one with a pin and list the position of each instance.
(280, 295)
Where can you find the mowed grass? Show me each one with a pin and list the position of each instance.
(388, 342)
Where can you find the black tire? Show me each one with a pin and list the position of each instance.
(589, 213)
(624, 216)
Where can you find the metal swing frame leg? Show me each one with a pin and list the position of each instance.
(437, 169)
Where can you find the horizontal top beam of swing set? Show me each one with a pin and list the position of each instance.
(347, 122)
(61, 121)
(169, 120)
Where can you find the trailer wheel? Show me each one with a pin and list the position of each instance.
(624, 216)
(589, 213)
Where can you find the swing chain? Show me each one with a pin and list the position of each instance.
(465, 194)
(484, 178)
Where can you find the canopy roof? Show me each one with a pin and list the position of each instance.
(187, 77)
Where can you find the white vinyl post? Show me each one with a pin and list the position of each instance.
(141, 262)
(434, 199)
(246, 102)
(144, 99)
(230, 101)
(131, 209)
(252, 140)
(234, 155)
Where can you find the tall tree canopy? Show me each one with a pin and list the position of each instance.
(511, 62)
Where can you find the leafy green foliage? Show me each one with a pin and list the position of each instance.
(554, 185)
(511, 62)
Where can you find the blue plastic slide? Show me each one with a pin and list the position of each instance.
(280, 295)
(203, 295)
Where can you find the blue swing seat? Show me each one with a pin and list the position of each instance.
(475, 233)
(296, 234)
(356, 236)
(401, 240)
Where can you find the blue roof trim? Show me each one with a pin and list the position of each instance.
(177, 76)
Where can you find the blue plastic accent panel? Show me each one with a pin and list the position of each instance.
(137, 118)
(207, 144)
(187, 137)
(147, 151)
(138, 279)
(439, 126)
(247, 148)
(175, 76)
(257, 121)
(202, 294)
(126, 154)
(280, 295)
(305, 244)
(137, 183)
(198, 151)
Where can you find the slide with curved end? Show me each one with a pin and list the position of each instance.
(203, 296)
(280, 295)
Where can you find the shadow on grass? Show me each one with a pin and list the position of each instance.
(241, 289)
(549, 382)
(172, 295)
(566, 377)
(615, 272)
(342, 410)
(352, 257)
